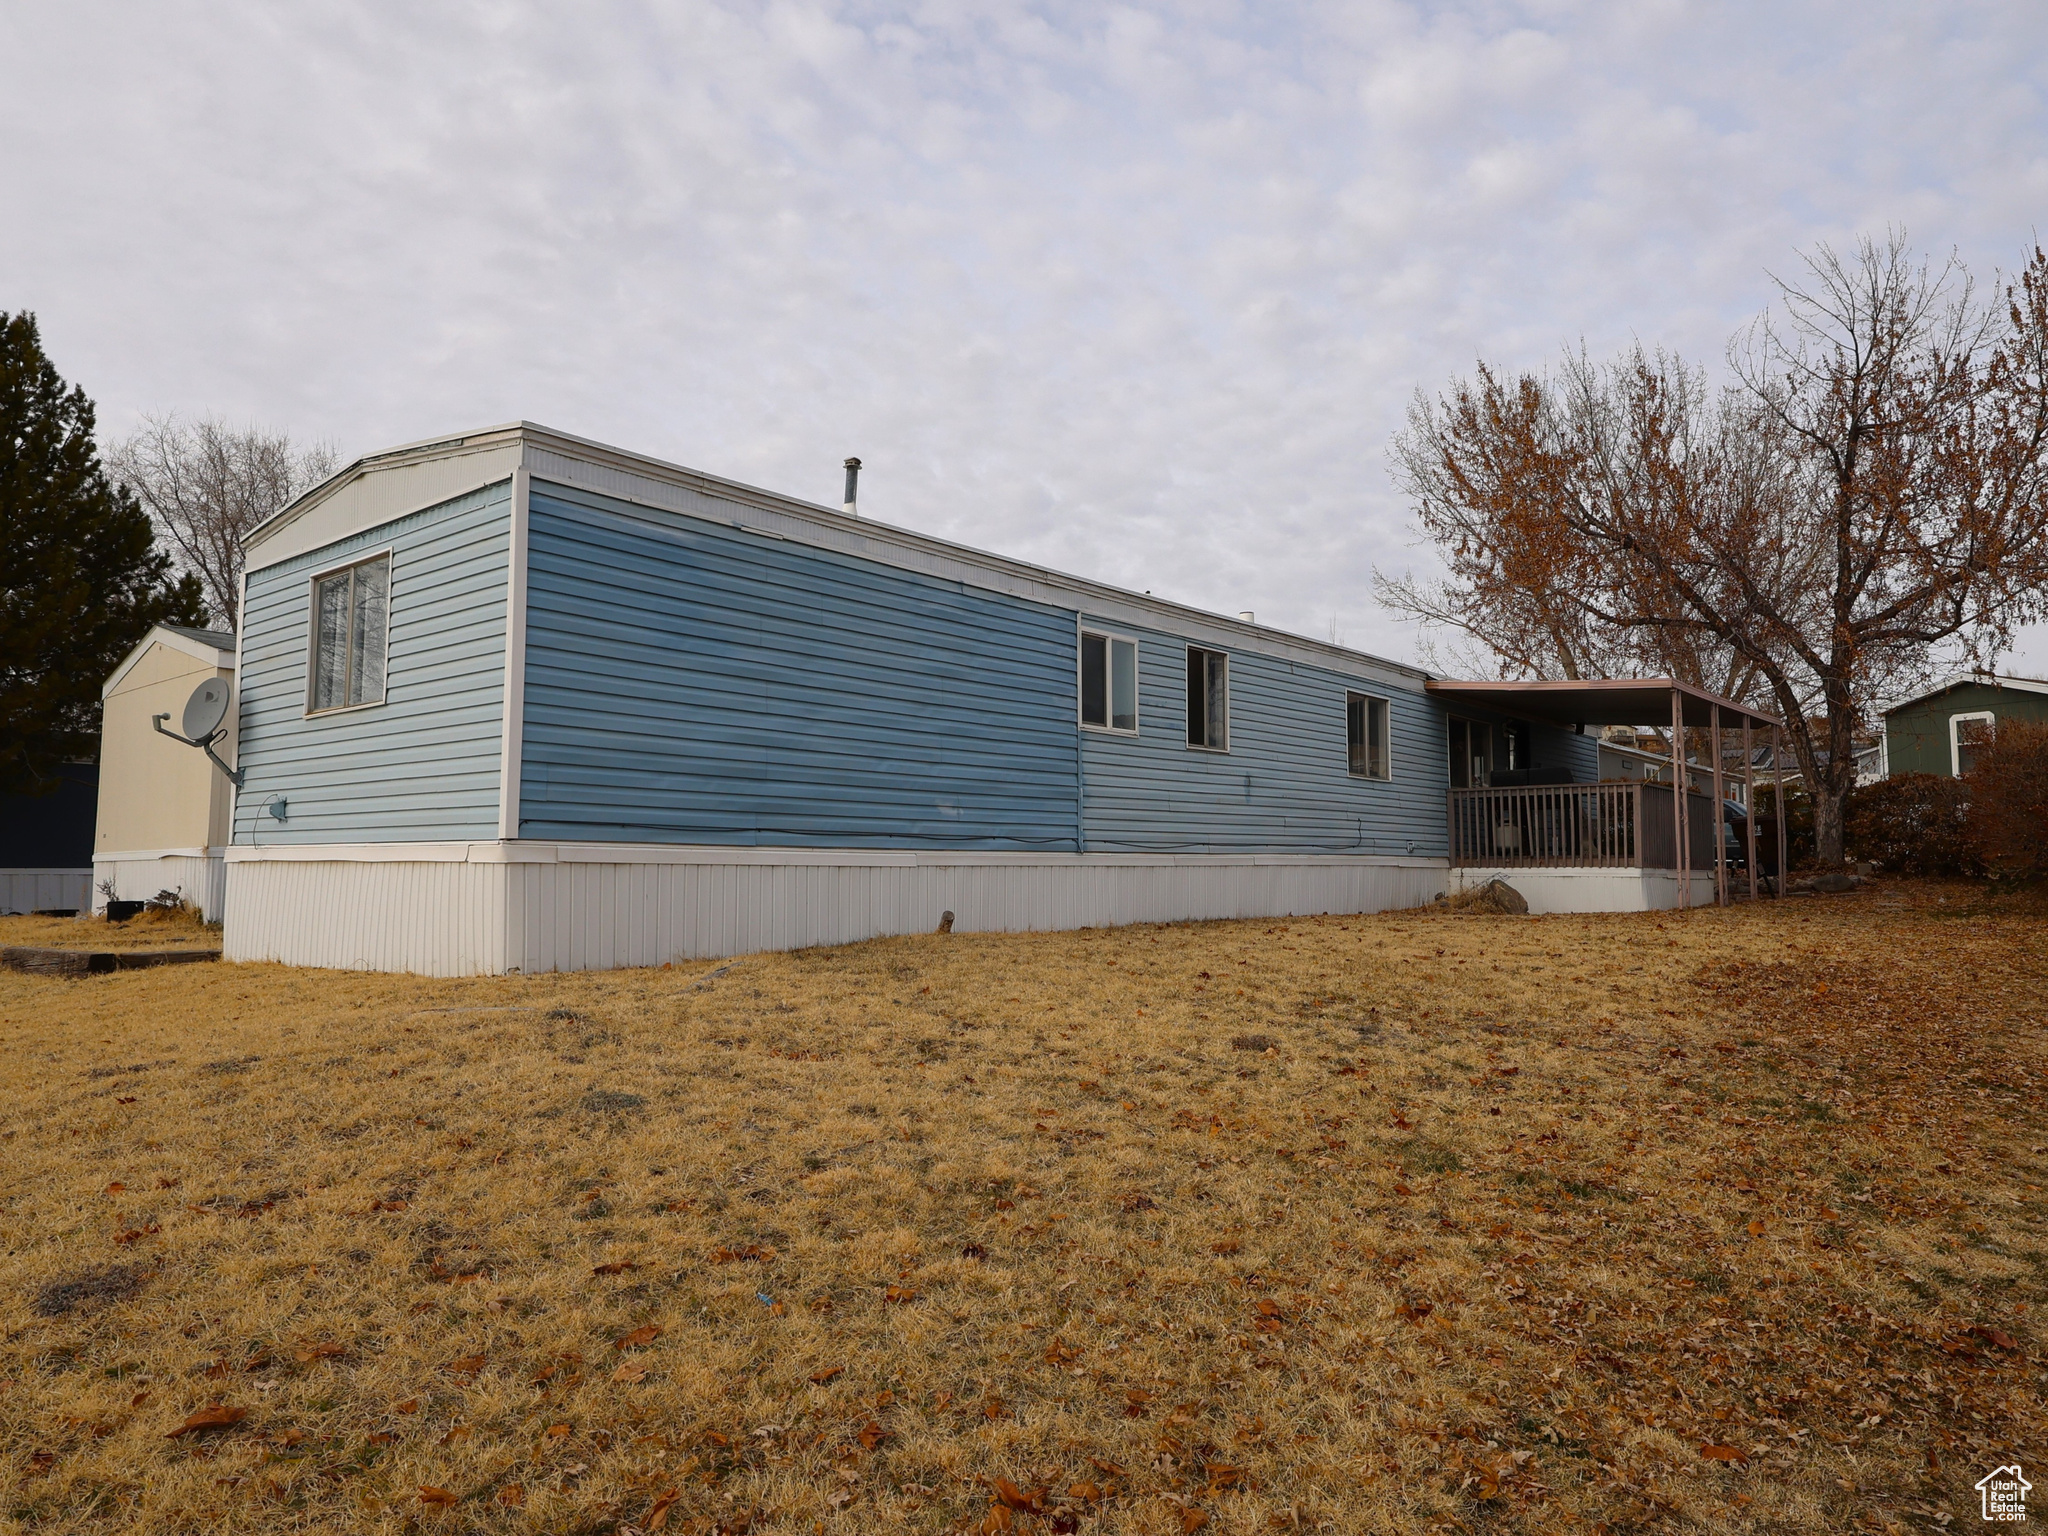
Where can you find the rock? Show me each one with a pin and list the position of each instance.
(1834, 882)
(1494, 896)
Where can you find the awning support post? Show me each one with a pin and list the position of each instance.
(1683, 854)
(1720, 811)
(1778, 794)
(1749, 801)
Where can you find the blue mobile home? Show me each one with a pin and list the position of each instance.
(517, 701)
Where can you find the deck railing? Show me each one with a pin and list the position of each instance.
(1538, 826)
(1550, 826)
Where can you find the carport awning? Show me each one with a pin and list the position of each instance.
(1604, 701)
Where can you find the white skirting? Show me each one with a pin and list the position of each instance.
(464, 909)
(41, 890)
(197, 874)
(1592, 890)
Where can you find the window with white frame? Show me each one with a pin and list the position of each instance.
(1109, 682)
(1969, 738)
(351, 617)
(1365, 730)
(1208, 700)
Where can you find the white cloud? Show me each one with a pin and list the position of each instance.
(1140, 291)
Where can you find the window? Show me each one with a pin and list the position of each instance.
(1471, 754)
(1969, 737)
(350, 612)
(1515, 744)
(1208, 700)
(1365, 728)
(1109, 682)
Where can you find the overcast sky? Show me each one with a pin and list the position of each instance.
(1137, 292)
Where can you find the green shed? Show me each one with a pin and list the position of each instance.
(1939, 730)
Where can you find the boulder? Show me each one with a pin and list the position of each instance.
(1494, 896)
(1834, 883)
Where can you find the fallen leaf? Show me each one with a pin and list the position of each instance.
(819, 1378)
(1227, 1245)
(1995, 1336)
(657, 1514)
(219, 1416)
(639, 1337)
(1723, 1453)
(512, 1495)
(632, 1371)
(468, 1365)
(1087, 1493)
(872, 1435)
(410, 1405)
(617, 1267)
(900, 1293)
(115, 1189)
(439, 1498)
(1756, 1226)
(456, 1432)
(314, 1352)
(1027, 1502)
(1192, 1519)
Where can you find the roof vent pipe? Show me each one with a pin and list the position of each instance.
(852, 487)
(1247, 617)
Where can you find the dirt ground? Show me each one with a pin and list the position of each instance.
(1723, 1222)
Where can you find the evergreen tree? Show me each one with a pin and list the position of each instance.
(81, 578)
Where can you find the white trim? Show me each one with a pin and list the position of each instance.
(522, 851)
(313, 581)
(136, 855)
(1081, 633)
(1955, 739)
(514, 720)
(1388, 705)
(164, 635)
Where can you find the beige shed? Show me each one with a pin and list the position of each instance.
(164, 809)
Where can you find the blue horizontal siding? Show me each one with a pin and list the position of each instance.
(691, 682)
(423, 766)
(1284, 786)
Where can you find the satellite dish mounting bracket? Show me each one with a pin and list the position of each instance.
(204, 712)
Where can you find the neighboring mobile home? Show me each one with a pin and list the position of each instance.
(517, 701)
(1941, 729)
(163, 808)
(46, 844)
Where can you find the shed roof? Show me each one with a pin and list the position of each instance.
(1600, 701)
(214, 647)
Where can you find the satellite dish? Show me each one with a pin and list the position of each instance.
(207, 707)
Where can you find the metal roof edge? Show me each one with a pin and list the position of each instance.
(569, 445)
(1448, 685)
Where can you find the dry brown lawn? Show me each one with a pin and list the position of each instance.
(1728, 1222)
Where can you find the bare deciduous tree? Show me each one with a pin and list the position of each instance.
(206, 484)
(1873, 485)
